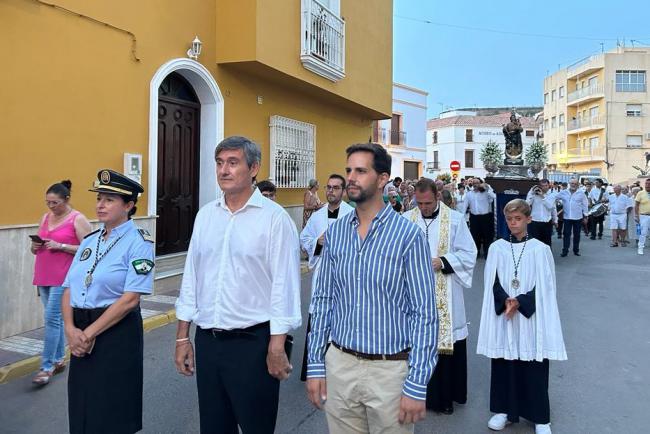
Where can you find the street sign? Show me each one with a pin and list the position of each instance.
(455, 166)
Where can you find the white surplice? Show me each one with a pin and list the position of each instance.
(538, 337)
(315, 227)
(461, 256)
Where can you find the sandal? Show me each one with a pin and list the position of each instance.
(58, 367)
(42, 378)
(613, 245)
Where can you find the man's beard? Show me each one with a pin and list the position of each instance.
(334, 202)
(361, 195)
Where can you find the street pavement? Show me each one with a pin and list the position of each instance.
(604, 301)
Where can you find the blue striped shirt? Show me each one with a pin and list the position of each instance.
(376, 296)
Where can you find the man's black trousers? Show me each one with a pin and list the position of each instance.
(542, 231)
(481, 227)
(234, 385)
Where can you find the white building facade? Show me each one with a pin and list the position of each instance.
(460, 136)
(404, 135)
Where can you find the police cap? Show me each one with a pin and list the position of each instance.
(110, 181)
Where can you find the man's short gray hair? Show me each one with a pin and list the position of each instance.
(252, 150)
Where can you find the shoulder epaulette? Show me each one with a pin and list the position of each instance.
(146, 235)
(92, 233)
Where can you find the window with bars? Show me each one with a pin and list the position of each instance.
(530, 133)
(293, 152)
(469, 135)
(436, 163)
(435, 137)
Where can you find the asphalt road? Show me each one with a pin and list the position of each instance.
(604, 299)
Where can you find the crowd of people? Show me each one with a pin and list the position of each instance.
(387, 330)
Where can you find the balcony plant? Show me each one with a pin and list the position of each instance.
(491, 155)
(536, 156)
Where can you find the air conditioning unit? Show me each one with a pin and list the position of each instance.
(647, 136)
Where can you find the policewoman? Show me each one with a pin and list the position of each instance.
(101, 311)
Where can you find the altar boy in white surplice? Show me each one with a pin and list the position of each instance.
(520, 324)
(312, 236)
(453, 253)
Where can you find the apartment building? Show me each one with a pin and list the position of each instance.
(596, 114)
(404, 135)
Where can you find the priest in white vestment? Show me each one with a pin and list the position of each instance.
(453, 253)
(312, 236)
(520, 324)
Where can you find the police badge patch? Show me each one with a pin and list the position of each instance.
(85, 254)
(142, 266)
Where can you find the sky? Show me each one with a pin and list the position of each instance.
(461, 60)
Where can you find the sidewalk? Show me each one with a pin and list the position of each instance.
(20, 354)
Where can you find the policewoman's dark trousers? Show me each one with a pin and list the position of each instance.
(234, 385)
(105, 387)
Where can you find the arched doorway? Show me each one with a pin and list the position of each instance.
(178, 164)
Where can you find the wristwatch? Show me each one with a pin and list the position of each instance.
(63, 246)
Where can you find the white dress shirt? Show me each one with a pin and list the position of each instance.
(461, 202)
(479, 202)
(575, 204)
(542, 206)
(619, 204)
(242, 268)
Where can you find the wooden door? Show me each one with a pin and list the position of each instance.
(178, 164)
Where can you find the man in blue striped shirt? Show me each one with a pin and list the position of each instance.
(375, 300)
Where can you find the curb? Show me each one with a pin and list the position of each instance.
(32, 364)
(26, 366)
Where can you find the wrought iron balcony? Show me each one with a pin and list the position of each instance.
(323, 41)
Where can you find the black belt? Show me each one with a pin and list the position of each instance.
(217, 331)
(402, 355)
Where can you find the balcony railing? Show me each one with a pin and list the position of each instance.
(586, 92)
(397, 137)
(384, 136)
(323, 41)
(577, 124)
(585, 65)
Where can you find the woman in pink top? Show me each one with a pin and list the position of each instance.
(62, 229)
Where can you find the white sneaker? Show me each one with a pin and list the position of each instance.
(498, 421)
(640, 251)
(543, 429)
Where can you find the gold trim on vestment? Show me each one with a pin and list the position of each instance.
(443, 289)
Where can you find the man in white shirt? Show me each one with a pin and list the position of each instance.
(575, 208)
(481, 217)
(461, 202)
(544, 213)
(241, 287)
(619, 207)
